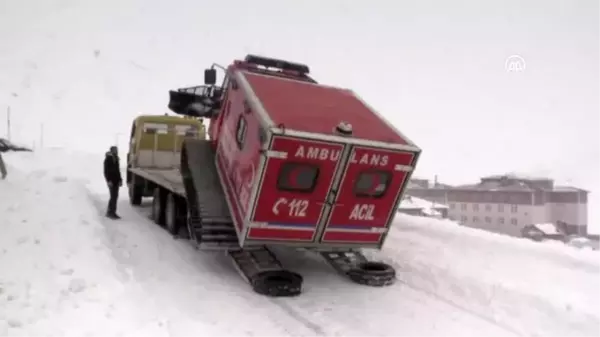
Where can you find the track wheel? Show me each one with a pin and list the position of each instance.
(374, 274)
(173, 214)
(277, 283)
(158, 206)
(136, 190)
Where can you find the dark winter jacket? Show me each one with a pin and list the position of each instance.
(2, 167)
(112, 169)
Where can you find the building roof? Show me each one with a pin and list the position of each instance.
(505, 182)
(410, 202)
(427, 208)
(492, 186)
(518, 176)
(547, 228)
(568, 189)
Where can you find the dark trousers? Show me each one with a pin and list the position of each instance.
(114, 195)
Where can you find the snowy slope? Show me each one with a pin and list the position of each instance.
(176, 276)
(533, 288)
(58, 275)
(75, 73)
(453, 280)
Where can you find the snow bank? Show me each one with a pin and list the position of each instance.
(58, 276)
(530, 287)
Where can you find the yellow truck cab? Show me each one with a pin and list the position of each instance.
(155, 145)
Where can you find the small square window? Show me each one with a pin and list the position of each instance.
(372, 183)
(297, 177)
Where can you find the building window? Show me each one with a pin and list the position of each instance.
(463, 207)
(513, 221)
(452, 205)
(463, 218)
(513, 208)
(501, 221)
(475, 219)
(488, 219)
(500, 208)
(475, 207)
(488, 207)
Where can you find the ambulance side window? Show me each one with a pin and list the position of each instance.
(372, 183)
(297, 177)
(240, 134)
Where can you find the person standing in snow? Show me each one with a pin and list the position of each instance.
(2, 167)
(112, 175)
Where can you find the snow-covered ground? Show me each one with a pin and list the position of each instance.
(58, 274)
(68, 271)
(75, 74)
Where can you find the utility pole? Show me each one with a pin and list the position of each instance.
(8, 122)
(41, 135)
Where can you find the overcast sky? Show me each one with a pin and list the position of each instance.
(435, 68)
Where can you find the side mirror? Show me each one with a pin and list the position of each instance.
(210, 76)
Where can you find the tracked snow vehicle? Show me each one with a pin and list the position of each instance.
(289, 162)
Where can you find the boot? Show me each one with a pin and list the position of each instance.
(112, 215)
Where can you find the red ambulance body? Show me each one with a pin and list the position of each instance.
(305, 164)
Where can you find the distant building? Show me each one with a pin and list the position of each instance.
(421, 207)
(507, 203)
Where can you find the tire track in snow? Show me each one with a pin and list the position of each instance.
(485, 287)
(459, 307)
(293, 320)
(291, 314)
(438, 297)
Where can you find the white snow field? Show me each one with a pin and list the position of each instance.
(76, 73)
(65, 270)
(58, 275)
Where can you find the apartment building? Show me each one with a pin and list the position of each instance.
(507, 203)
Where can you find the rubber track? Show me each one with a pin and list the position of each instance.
(210, 224)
